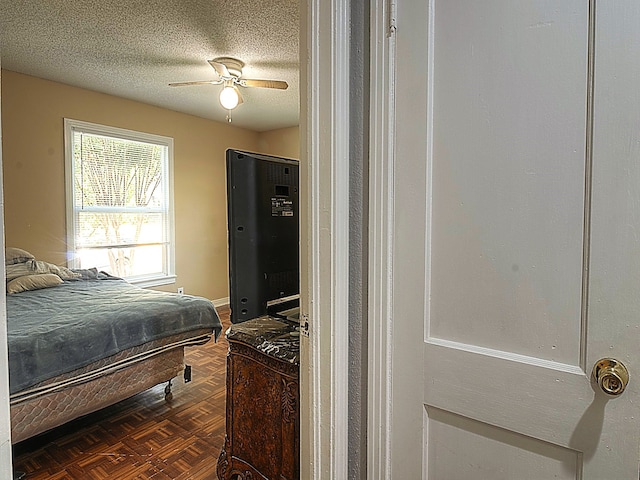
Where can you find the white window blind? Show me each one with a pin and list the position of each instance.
(119, 202)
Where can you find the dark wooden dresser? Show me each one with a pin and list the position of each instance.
(263, 414)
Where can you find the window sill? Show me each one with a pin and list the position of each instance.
(153, 282)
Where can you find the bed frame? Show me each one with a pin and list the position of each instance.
(66, 397)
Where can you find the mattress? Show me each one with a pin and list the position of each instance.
(58, 330)
(38, 412)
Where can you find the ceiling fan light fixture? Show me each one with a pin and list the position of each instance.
(229, 97)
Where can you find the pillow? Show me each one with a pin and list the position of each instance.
(14, 255)
(64, 273)
(20, 269)
(33, 282)
(32, 267)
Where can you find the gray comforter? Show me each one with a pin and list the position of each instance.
(59, 329)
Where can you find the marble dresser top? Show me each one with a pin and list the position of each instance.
(270, 335)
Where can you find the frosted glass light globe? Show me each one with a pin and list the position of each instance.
(229, 98)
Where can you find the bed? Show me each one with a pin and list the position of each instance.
(90, 340)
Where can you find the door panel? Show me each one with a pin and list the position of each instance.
(463, 449)
(508, 163)
(516, 260)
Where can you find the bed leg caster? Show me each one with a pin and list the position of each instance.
(167, 392)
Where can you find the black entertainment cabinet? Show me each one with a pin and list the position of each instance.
(263, 216)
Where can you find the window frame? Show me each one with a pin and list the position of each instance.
(70, 127)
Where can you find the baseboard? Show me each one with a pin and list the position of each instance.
(221, 302)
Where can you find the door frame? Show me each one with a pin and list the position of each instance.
(324, 245)
(324, 127)
(381, 203)
(5, 416)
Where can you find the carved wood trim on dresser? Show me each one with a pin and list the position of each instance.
(262, 412)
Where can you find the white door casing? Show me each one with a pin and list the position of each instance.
(324, 239)
(514, 258)
(5, 417)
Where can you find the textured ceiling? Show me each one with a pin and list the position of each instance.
(134, 49)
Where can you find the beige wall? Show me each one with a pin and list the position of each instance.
(284, 142)
(33, 156)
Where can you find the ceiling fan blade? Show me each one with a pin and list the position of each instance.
(204, 82)
(279, 84)
(220, 68)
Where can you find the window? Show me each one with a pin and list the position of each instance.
(120, 202)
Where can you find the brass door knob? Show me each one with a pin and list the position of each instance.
(611, 375)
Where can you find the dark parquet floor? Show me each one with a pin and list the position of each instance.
(143, 437)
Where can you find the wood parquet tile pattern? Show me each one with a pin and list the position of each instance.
(145, 436)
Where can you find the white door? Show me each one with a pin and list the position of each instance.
(516, 239)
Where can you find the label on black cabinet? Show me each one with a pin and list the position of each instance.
(281, 207)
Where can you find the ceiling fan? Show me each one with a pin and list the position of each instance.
(229, 72)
